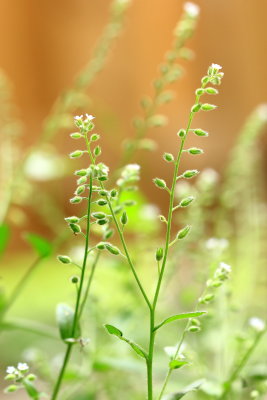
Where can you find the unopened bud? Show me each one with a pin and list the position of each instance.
(183, 232)
(159, 254)
(112, 249)
(76, 199)
(168, 157)
(76, 154)
(190, 173)
(195, 151)
(200, 132)
(64, 259)
(208, 107)
(187, 201)
(160, 183)
(124, 218)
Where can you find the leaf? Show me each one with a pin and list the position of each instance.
(113, 330)
(176, 396)
(117, 332)
(39, 244)
(180, 316)
(65, 319)
(175, 364)
(31, 389)
(4, 237)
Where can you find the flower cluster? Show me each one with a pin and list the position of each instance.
(22, 379)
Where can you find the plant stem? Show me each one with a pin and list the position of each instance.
(241, 365)
(77, 314)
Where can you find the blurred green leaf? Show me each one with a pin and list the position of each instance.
(39, 244)
(176, 396)
(31, 389)
(180, 316)
(4, 237)
(175, 364)
(65, 319)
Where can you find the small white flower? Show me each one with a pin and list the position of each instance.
(257, 324)
(133, 167)
(217, 244)
(78, 117)
(225, 267)
(217, 67)
(22, 367)
(89, 117)
(11, 370)
(191, 9)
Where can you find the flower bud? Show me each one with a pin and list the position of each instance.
(187, 201)
(200, 92)
(200, 132)
(160, 183)
(196, 108)
(124, 218)
(98, 215)
(31, 377)
(11, 389)
(101, 246)
(208, 107)
(82, 180)
(64, 259)
(74, 279)
(183, 232)
(113, 193)
(195, 151)
(75, 228)
(76, 154)
(108, 234)
(190, 173)
(94, 137)
(168, 157)
(181, 133)
(76, 199)
(194, 329)
(211, 90)
(101, 202)
(76, 135)
(103, 193)
(112, 249)
(103, 221)
(159, 254)
(97, 151)
(80, 189)
(81, 172)
(72, 219)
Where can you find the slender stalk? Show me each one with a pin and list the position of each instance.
(241, 365)
(77, 313)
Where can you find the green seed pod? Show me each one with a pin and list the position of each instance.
(101, 246)
(94, 137)
(211, 90)
(108, 234)
(208, 107)
(76, 135)
(72, 219)
(168, 157)
(195, 322)
(98, 215)
(112, 249)
(102, 221)
(158, 120)
(113, 193)
(124, 218)
(194, 329)
(64, 259)
(101, 202)
(10, 377)
(103, 192)
(81, 172)
(200, 92)
(187, 201)
(103, 178)
(80, 189)
(183, 232)
(159, 254)
(97, 151)
(196, 108)
(160, 183)
(75, 228)
(117, 209)
(76, 154)
(76, 199)
(129, 203)
(200, 132)
(181, 133)
(208, 298)
(205, 79)
(82, 180)
(31, 377)
(11, 389)
(190, 173)
(195, 151)
(74, 279)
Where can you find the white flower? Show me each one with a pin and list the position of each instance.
(78, 117)
(44, 165)
(257, 324)
(133, 167)
(216, 244)
(11, 370)
(22, 367)
(191, 9)
(89, 117)
(217, 67)
(225, 268)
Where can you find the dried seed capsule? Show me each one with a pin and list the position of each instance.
(160, 183)
(64, 259)
(183, 232)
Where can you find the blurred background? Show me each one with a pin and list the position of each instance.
(44, 47)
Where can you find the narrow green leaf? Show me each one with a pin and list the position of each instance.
(4, 237)
(176, 364)
(31, 389)
(180, 316)
(39, 244)
(137, 349)
(113, 330)
(177, 396)
(65, 319)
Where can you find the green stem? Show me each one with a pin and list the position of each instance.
(241, 365)
(77, 314)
